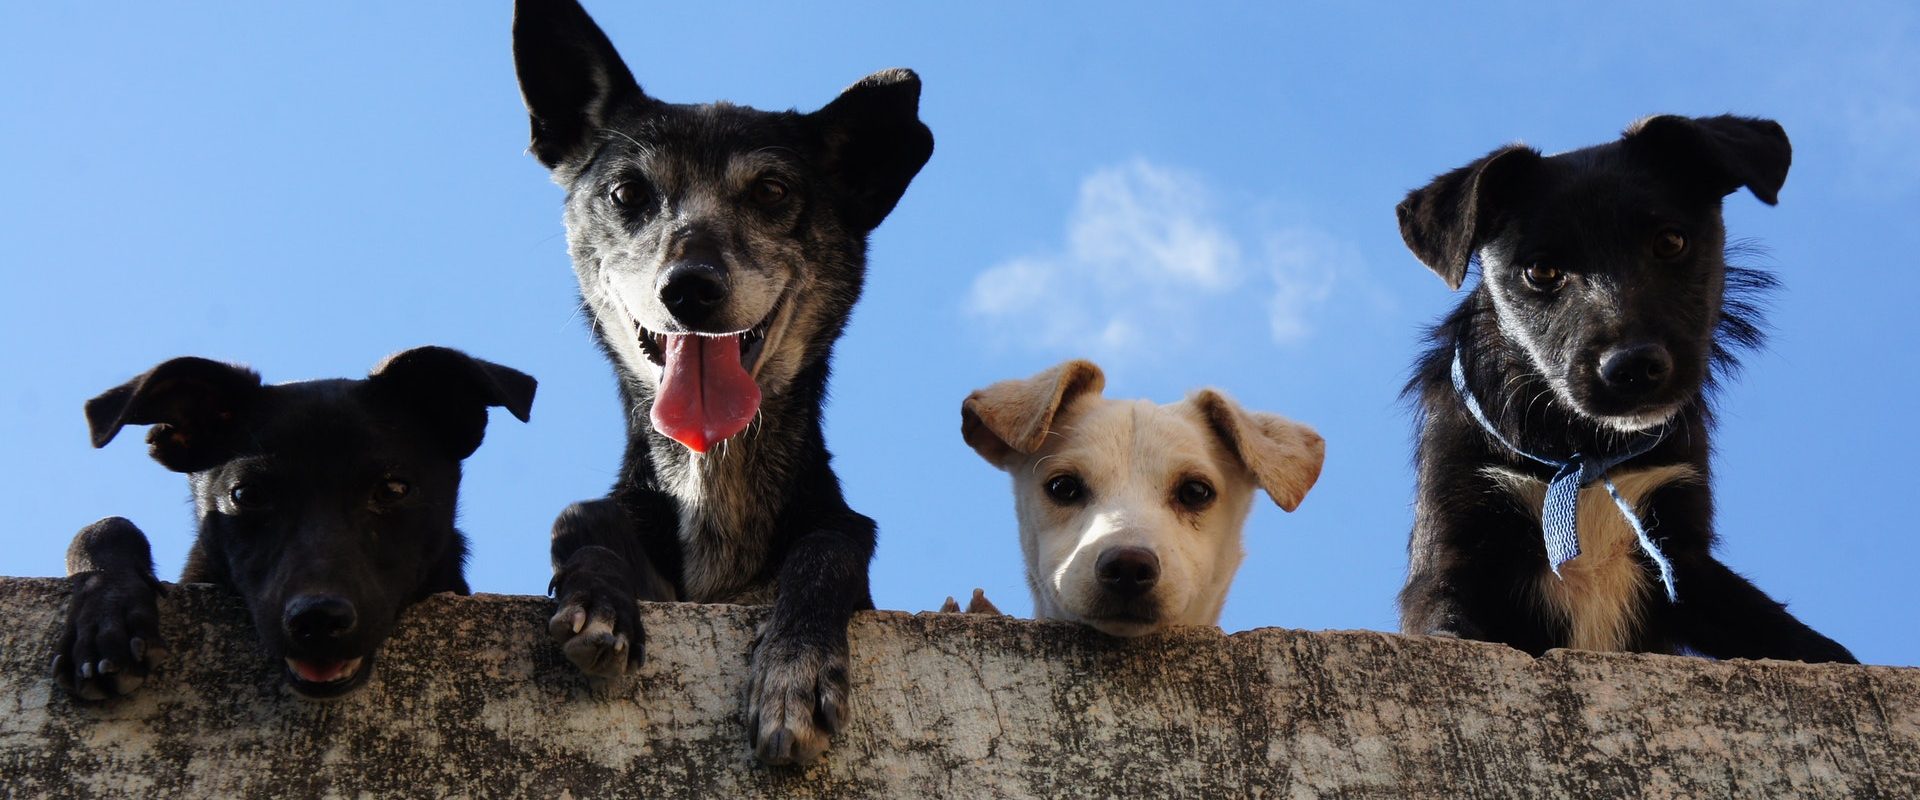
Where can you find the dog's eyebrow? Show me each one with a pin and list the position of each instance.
(777, 150)
(253, 462)
(1191, 472)
(750, 164)
(645, 150)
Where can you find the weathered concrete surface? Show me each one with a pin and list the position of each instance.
(471, 699)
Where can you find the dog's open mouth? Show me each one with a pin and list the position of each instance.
(708, 389)
(325, 677)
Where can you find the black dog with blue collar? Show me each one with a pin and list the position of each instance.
(1564, 405)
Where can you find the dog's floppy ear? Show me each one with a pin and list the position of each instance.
(1447, 220)
(1722, 153)
(1284, 456)
(451, 391)
(194, 405)
(570, 76)
(874, 143)
(1014, 416)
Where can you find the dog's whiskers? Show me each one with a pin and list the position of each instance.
(645, 150)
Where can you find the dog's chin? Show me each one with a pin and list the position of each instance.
(1637, 420)
(1637, 423)
(1123, 627)
(327, 678)
(1128, 618)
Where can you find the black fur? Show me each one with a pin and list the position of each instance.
(328, 506)
(656, 190)
(1534, 351)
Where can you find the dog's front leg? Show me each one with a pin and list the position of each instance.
(599, 572)
(112, 637)
(797, 697)
(1433, 604)
(1724, 615)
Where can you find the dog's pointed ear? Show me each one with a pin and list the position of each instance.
(194, 405)
(1284, 456)
(1014, 416)
(451, 392)
(873, 143)
(570, 76)
(1722, 153)
(1445, 222)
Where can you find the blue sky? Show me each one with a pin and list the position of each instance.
(1208, 193)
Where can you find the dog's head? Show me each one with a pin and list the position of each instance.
(1130, 512)
(719, 248)
(329, 505)
(1605, 266)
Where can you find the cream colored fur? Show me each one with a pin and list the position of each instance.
(1133, 455)
(1601, 593)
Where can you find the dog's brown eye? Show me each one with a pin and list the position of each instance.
(1544, 278)
(1066, 489)
(1669, 244)
(769, 192)
(628, 194)
(248, 496)
(390, 491)
(1195, 495)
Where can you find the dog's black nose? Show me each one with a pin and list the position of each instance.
(1128, 571)
(1636, 370)
(313, 617)
(692, 292)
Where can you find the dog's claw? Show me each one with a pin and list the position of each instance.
(595, 644)
(111, 641)
(777, 748)
(797, 701)
(598, 622)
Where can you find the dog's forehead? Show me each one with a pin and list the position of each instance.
(1612, 181)
(332, 418)
(1138, 432)
(706, 140)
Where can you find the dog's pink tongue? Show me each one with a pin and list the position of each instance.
(705, 395)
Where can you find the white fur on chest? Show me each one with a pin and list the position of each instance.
(721, 545)
(1602, 593)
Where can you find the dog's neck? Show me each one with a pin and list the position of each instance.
(729, 501)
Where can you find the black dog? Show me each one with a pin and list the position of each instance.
(327, 505)
(719, 251)
(1570, 391)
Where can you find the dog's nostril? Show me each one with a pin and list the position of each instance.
(322, 616)
(690, 291)
(1129, 571)
(1636, 369)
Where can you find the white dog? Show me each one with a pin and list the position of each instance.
(1130, 512)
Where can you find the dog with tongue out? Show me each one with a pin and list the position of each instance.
(719, 250)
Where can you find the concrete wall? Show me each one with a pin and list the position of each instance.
(471, 699)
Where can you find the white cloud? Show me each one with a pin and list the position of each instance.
(1149, 265)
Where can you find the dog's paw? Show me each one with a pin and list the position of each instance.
(112, 638)
(597, 624)
(1818, 649)
(797, 699)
